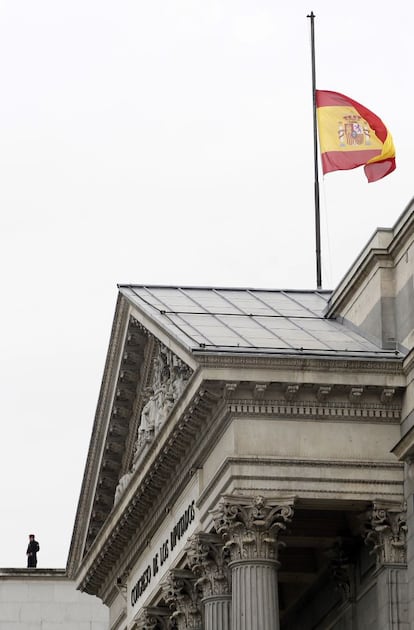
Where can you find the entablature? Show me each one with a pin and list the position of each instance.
(185, 439)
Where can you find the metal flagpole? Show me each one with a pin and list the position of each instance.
(315, 157)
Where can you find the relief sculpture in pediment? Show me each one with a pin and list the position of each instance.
(170, 376)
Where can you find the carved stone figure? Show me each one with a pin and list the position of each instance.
(170, 376)
(122, 484)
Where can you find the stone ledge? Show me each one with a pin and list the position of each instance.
(51, 574)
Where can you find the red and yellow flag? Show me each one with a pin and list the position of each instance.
(350, 135)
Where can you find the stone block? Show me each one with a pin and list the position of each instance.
(39, 591)
(9, 612)
(30, 611)
(12, 591)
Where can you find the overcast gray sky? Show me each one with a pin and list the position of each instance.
(167, 142)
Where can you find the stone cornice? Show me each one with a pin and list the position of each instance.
(299, 462)
(389, 363)
(96, 443)
(119, 420)
(30, 574)
(403, 229)
(409, 362)
(375, 258)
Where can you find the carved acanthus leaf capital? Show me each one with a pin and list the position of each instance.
(146, 621)
(208, 559)
(250, 526)
(181, 595)
(385, 530)
(153, 618)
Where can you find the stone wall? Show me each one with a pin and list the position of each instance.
(45, 599)
(377, 294)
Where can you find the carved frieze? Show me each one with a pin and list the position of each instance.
(208, 559)
(385, 530)
(250, 526)
(319, 410)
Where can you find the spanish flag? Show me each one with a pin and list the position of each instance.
(350, 135)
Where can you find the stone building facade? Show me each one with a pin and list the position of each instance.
(251, 463)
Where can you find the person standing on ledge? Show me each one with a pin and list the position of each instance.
(32, 549)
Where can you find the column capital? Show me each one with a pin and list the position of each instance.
(153, 618)
(250, 526)
(385, 529)
(182, 597)
(208, 559)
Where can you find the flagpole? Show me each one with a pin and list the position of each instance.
(315, 158)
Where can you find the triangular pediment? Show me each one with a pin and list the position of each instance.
(142, 382)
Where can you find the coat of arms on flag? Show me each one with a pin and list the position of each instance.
(354, 130)
(351, 135)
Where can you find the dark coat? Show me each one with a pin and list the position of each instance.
(32, 549)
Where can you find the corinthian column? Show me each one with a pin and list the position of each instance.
(208, 560)
(250, 528)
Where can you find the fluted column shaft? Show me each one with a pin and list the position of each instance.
(217, 611)
(254, 595)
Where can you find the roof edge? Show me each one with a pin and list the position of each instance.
(380, 244)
